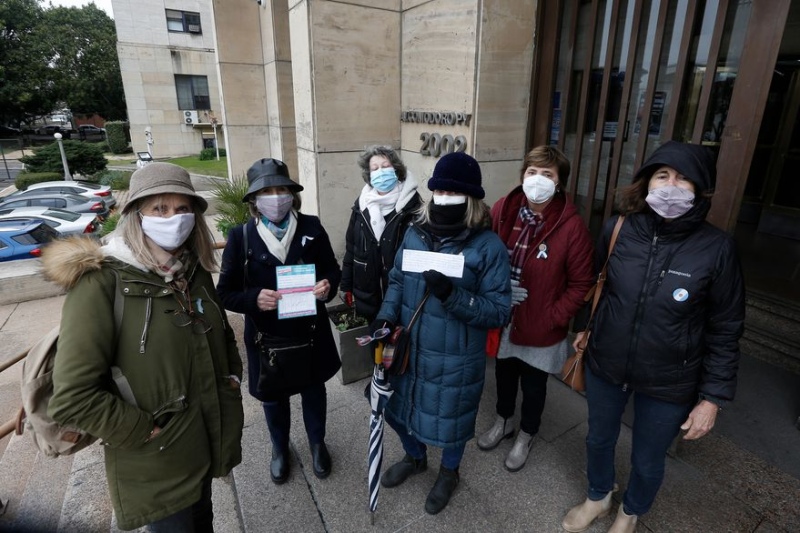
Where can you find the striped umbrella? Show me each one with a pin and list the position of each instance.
(379, 394)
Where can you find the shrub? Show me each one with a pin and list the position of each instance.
(347, 320)
(117, 179)
(207, 154)
(82, 158)
(109, 224)
(115, 136)
(25, 179)
(231, 211)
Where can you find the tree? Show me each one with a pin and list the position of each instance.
(26, 85)
(57, 57)
(82, 158)
(84, 62)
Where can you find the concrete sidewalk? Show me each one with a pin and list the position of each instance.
(712, 485)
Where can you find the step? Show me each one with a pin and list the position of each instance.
(40, 507)
(772, 330)
(16, 466)
(87, 505)
(21, 281)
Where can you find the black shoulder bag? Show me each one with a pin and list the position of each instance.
(286, 363)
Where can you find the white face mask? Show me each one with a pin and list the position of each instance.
(538, 188)
(168, 233)
(449, 199)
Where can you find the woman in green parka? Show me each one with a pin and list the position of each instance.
(157, 378)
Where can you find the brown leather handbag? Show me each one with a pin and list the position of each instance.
(397, 351)
(573, 373)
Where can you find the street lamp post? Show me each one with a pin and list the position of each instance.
(67, 175)
(216, 144)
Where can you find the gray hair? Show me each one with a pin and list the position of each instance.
(388, 153)
(478, 214)
(200, 241)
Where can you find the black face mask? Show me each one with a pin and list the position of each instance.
(448, 215)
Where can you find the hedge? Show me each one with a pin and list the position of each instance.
(26, 179)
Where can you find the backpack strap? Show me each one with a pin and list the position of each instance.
(123, 386)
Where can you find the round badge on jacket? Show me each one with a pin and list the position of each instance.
(680, 295)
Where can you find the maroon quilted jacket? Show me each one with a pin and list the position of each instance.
(556, 284)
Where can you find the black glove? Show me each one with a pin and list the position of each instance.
(439, 284)
(379, 323)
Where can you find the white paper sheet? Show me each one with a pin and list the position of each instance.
(448, 264)
(296, 285)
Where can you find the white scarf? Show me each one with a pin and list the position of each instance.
(278, 248)
(378, 206)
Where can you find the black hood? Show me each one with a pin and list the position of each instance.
(695, 162)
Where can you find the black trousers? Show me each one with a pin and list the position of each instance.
(512, 374)
(315, 410)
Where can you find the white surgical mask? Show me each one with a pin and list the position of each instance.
(449, 199)
(168, 233)
(538, 188)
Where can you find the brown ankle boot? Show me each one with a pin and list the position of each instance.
(624, 523)
(580, 517)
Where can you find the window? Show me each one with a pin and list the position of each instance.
(192, 92)
(183, 21)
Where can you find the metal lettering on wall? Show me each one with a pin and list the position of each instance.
(434, 144)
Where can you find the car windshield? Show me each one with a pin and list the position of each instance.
(62, 214)
(90, 185)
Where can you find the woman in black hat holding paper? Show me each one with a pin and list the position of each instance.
(435, 402)
(290, 348)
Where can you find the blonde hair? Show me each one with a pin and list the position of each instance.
(477, 216)
(200, 241)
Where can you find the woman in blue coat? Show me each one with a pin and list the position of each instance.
(436, 401)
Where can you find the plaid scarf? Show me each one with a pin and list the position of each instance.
(173, 269)
(522, 234)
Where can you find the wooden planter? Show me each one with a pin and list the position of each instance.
(357, 362)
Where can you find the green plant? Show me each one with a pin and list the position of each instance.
(115, 136)
(348, 319)
(109, 224)
(117, 179)
(82, 158)
(25, 179)
(207, 154)
(231, 211)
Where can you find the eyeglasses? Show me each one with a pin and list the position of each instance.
(379, 334)
(184, 317)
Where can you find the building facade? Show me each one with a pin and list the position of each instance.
(169, 72)
(313, 82)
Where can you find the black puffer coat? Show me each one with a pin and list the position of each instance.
(672, 311)
(367, 262)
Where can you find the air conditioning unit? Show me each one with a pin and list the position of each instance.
(190, 118)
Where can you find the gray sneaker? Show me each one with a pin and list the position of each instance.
(519, 452)
(502, 429)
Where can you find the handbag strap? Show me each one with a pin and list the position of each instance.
(597, 289)
(418, 310)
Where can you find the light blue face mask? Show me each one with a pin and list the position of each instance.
(383, 179)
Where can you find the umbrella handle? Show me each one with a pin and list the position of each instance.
(378, 353)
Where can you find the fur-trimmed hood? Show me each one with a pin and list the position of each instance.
(64, 261)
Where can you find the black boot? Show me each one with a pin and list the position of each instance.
(442, 490)
(279, 466)
(321, 460)
(399, 472)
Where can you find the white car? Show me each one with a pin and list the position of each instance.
(90, 190)
(63, 221)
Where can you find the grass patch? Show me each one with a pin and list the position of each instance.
(209, 168)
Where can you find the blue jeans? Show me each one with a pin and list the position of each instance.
(197, 518)
(314, 400)
(451, 456)
(656, 423)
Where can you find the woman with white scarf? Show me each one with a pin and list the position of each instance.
(380, 216)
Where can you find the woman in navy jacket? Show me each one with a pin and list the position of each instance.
(666, 329)
(436, 401)
(278, 234)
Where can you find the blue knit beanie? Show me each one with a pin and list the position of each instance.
(457, 172)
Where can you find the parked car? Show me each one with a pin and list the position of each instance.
(70, 202)
(66, 133)
(63, 221)
(8, 133)
(90, 132)
(81, 188)
(23, 240)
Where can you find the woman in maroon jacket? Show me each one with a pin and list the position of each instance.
(551, 271)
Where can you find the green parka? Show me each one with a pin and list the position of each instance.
(175, 373)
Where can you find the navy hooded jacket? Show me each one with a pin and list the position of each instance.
(672, 311)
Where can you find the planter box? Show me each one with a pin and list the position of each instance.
(357, 362)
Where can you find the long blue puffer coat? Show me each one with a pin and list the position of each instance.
(437, 398)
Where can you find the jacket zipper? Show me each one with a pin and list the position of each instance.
(217, 308)
(147, 314)
(640, 306)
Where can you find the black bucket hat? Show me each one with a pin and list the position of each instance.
(269, 172)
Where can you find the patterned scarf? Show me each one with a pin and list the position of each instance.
(279, 230)
(172, 268)
(522, 234)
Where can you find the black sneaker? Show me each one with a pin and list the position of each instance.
(442, 490)
(399, 472)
